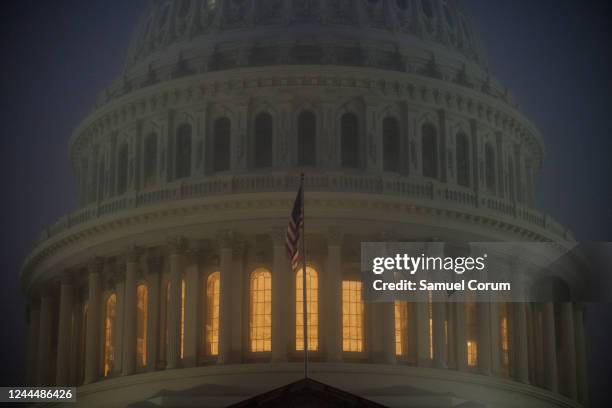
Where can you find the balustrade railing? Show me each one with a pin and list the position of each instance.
(409, 187)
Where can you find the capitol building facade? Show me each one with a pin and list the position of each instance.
(171, 285)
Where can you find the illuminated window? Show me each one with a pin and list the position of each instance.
(213, 292)
(142, 294)
(261, 310)
(312, 309)
(504, 338)
(472, 333)
(109, 332)
(401, 327)
(182, 317)
(352, 316)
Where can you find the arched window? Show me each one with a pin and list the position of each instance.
(463, 160)
(109, 333)
(471, 320)
(391, 145)
(352, 316)
(213, 292)
(504, 339)
(150, 159)
(350, 143)
(142, 294)
(312, 309)
(260, 302)
(183, 151)
(490, 167)
(122, 169)
(511, 186)
(182, 318)
(401, 328)
(307, 139)
(429, 150)
(222, 144)
(263, 140)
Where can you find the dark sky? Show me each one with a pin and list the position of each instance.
(554, 55)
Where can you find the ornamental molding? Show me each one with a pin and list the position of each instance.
(394, 87)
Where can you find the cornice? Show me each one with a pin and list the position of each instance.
(366, 203)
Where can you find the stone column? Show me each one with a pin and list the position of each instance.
(173, 353)
(34, 325)
(64, 332)
(569, 350)
(549, 346)
(237, 292)
(154, 265)
(225, 302)
(44, 339)
(192, 308)
(495, 340)
(385, 312)
(580, 356)
(521, 346)
(333, 316)
(422, 334)
(281, 296)
(129, 316)
(460, 334)
(93, 323)
(438, 308)
(484, 337)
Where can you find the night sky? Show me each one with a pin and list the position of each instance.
(554, 55)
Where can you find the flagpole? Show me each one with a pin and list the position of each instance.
(304, 297)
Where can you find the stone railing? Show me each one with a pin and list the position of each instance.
(409, 187)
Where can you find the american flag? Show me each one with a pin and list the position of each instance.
(293, 230)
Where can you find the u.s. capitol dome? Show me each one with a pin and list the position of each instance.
(170, 283)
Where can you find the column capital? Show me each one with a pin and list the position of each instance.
(278, 235)
(225, 238)
(96, 265)
(66, 277)
(388, 236)
(239, 248)
(133, 254)
(195, 255)
(334, 236)
(177, 244)
(153, 262)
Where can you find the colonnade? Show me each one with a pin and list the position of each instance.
(543, 344)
